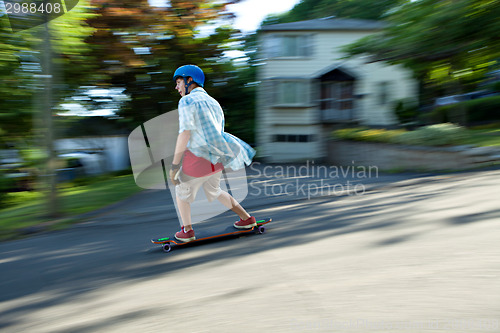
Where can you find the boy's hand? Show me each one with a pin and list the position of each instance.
(173, 173)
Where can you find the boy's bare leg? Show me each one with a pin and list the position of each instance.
(185, 211)
(227, 200)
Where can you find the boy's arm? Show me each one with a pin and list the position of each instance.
(180, 147)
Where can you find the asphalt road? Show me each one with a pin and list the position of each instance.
(410, 254)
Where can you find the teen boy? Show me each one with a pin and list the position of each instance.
(205, 150)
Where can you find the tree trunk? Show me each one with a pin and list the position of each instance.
(50, 165)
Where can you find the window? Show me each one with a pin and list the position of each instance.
(337, 100)
(294, 138)
(288, 46)
(291, 93)
(337, 95)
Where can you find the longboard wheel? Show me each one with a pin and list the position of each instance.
(167, 247)
(261, 229)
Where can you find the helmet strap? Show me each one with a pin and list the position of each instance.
(186, 84)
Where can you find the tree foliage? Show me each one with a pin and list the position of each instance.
(20, 66)
(117, 43)
(14, 85)
(451, 42)
(313, 9)
(139, 47)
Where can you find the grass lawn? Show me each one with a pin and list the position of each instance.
(28, 208)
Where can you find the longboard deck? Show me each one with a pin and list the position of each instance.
(211, 233)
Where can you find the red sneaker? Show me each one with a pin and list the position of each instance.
(184, 236)
(246, 224)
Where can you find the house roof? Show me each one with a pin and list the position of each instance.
(327, 23)
(337, 71)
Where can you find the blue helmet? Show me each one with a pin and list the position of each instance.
(192, 71)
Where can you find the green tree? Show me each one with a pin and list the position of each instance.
(20, 67)
(313, 9)
(447, 43)
(40, 67)
(15, 85)
(139, 47)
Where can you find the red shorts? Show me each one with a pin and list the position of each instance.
(195, 166)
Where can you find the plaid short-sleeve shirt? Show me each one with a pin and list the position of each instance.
(203, 116)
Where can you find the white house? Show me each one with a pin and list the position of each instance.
(307, 88)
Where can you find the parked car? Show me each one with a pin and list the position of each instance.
(447, 100)
(479, 94)
(453, 99)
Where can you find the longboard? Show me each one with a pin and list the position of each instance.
(168, 243)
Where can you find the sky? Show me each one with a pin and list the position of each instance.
(249, 13)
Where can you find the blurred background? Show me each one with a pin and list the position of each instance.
(74, 88)
(357, 92)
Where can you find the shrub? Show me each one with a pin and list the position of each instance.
(406, 110)
(476, 110)
(4, 186)
(488, 126)
(495, 86)
(348, 133)
(434, 135)
(380, 135)
(367, 134)
(19, 198)
(441, 114)
(483, 109)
